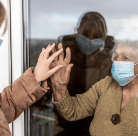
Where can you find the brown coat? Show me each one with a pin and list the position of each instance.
(17, 97)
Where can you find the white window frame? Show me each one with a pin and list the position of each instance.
(17, 55)
(20, 56)
(26, 42)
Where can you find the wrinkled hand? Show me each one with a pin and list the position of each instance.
(42, 70)
(60, 78)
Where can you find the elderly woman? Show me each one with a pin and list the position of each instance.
(112, 100)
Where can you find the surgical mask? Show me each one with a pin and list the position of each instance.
(123, 72)
(88, 46)
(1, 41)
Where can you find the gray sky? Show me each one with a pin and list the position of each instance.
(51, 18)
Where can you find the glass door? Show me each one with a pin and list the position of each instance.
(49, 22)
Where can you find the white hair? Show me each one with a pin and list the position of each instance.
(131, 43)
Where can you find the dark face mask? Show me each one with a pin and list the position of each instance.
(88, 46)
(1, 41)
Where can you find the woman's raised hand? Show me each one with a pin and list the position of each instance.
(60, 78)
(42, 70)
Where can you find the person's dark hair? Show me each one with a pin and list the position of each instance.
(110, 44)
(3, 17)
(93, 25)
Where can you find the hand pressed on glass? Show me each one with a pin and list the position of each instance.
(42, 70)
(60, 78)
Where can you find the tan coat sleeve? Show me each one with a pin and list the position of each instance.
(81, 106)
(20, 95)
(4, 127)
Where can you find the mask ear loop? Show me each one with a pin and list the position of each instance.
(136, 64)
(101, 49)
(130, 80)
(136, 74)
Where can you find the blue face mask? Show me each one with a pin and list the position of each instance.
(88, 46)
(1, 41)
(123, 72)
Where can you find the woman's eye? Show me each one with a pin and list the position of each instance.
(125, 57)
(115, 57)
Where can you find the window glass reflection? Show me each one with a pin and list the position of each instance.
(76, 24)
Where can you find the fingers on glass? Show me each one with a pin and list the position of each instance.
(67, 74)
(55, 69)
(51, 58)
(48, 50)
(54, 51)
(68, 56)
(61, 56)
(41, 54)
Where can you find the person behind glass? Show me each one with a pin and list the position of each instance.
(26, 90)
(90, 54)
(113, 100)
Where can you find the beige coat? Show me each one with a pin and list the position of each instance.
(103, 100)
(17, 97)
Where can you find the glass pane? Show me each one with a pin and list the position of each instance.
(55, 21)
